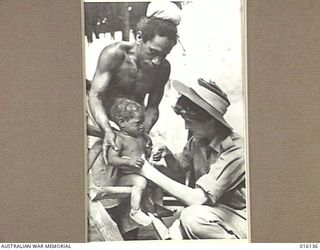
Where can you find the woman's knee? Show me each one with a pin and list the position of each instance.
(201, 222)
(194, 220)
(191, 216)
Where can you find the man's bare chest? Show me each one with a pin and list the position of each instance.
(128, 76)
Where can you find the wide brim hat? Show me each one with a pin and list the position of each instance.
(208, 96)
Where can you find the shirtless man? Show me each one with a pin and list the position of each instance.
(133, 70)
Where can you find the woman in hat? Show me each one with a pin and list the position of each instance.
(216, 204)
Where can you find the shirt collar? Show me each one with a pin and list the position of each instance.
(220, 141)
(215, 143)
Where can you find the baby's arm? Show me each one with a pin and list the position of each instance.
(115, 158)
(161, 151)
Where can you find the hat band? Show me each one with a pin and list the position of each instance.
(212, 99)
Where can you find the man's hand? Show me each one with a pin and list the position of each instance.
(108, 141)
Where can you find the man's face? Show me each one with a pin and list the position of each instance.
(153, 52)
(134, 127)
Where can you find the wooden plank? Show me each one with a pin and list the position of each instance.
(160, 228)
(98, 193)
(93, 131)
(102, 221)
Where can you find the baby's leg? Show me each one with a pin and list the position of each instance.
(138, 184)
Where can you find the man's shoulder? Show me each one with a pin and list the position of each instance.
(116, 50)
(113, 55)
(124, 46)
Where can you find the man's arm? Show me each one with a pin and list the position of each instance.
(155, 97)
(187, 195)
(109, 59)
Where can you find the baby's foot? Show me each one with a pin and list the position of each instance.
(140, 217)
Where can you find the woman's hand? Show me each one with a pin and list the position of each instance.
(147, 169)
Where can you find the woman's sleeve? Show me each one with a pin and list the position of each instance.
(225, 174)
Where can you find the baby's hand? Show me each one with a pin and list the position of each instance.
(137, 162)
(157, 155)
(159, 151)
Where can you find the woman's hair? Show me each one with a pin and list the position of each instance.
(125, 109)
(150, 27)
(185, 106)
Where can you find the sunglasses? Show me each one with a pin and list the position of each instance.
(190, 114)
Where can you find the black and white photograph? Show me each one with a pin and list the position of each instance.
(166, 120)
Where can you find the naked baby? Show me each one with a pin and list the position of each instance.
(131, 141)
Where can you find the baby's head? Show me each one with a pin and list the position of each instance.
(129, 116)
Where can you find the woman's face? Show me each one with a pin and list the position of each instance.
(201, 129)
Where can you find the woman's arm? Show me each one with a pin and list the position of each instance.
(187, 195)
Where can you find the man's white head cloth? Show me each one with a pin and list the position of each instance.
(164, 10)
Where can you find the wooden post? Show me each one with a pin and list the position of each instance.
(93, 154)
(126, 22)
(102, 221)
